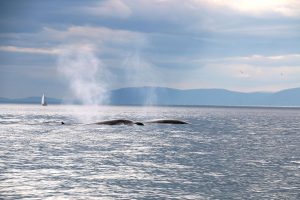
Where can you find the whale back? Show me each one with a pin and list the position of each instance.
(116, 122)
(167, 121)
(129, 122)
(139, 123)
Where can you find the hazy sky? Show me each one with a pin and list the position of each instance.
(242, 45)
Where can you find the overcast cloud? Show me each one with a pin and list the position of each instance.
(251, 45)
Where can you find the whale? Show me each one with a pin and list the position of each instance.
(119, 122)
(167, 121)
(129, 122)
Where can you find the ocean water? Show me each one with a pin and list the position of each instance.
(224, 153)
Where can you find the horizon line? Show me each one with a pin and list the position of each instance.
(141, 87)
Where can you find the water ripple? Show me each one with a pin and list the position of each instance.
(225, 153)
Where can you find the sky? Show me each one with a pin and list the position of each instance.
(64, 48)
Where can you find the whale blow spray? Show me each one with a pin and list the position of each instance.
(140, 72)
(85, 74)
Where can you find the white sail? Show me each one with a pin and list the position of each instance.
(44, 103)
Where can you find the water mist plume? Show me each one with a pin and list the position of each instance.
(85, 73)
(87, 78)
(140, 72)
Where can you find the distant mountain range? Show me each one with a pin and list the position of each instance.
(212, 97)
(169, 96)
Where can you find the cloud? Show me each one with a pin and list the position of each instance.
(201, 15)
(29, 50)
(110, 8)
(50, 41)
(185, 44)
(98, 35)
(276, 31)
(261, 60)
(287, 8)
(251, 73)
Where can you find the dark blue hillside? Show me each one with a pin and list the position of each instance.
(169, 96)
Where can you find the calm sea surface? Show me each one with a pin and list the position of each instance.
(224, 153)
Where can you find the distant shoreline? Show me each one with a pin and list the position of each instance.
(149, 106)
(158, 96)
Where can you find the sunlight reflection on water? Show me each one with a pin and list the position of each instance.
(233, 153)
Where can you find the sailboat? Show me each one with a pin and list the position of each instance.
(44, 103)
